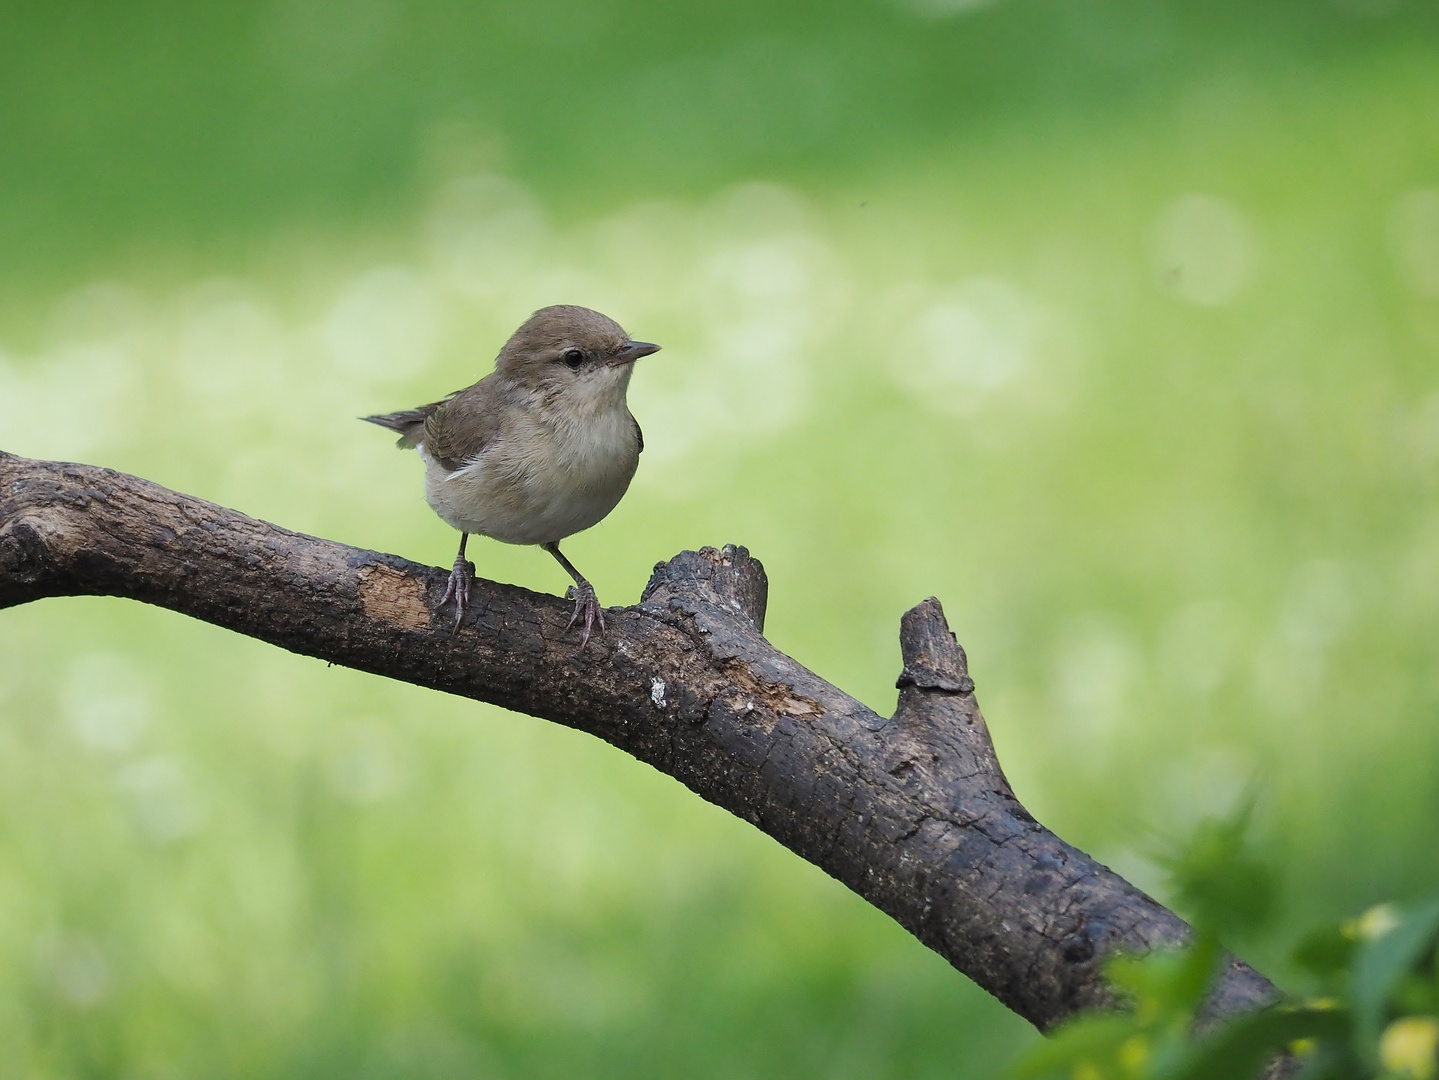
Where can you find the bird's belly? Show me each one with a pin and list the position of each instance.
(534, 498)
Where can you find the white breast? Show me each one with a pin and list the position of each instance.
(541, 480)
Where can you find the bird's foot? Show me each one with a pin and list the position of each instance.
(459, 589)
(587, 610)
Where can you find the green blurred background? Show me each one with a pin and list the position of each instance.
(1113, 324)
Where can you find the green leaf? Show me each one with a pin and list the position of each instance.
(1167, 981)
(1242, 1047)
(1216, 880)
(1416, 994)
(1334, 1060)
(1089, 1038)
(1381, 966)
(1328, 954)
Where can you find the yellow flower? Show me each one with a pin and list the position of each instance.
(1407, 1046)
(1374, 923)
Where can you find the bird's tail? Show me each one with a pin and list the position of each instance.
(410, 423)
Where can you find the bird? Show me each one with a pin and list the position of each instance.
(541, 448)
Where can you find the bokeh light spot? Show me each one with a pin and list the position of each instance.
(1204, 251)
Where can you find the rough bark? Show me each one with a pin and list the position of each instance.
(911, 811)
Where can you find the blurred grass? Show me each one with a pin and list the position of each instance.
(1113, 325)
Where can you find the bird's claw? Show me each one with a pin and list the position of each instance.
(587, 607)
(459, 590)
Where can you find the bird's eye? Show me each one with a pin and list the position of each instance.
(572, 358)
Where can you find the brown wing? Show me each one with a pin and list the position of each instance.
(463, 424)
(639, 435)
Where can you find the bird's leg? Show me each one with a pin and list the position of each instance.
(587, 606)
(459, 586)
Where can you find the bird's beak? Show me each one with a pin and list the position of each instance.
(632, 351)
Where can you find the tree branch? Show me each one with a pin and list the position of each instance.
(911, 812)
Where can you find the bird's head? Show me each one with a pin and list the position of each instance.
(572, 352)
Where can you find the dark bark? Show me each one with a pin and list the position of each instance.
(912, 811)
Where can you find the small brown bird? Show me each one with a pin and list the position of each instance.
(541, 448)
